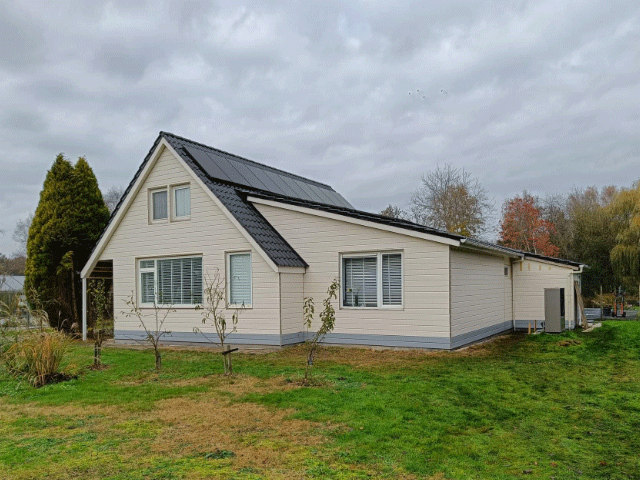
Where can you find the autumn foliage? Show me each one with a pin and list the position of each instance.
(524, 228)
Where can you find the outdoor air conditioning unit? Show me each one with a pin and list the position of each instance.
(553, 310)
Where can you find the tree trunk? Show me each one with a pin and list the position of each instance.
(97, 351)
(158, 361)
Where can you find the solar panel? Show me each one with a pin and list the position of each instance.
(253, 180)
(228, 168)
(207, 163)
(298, 192)
(264, 178)
(277, 179)
(221, 166)
(309, 190)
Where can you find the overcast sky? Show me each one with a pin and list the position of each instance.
(540, 95)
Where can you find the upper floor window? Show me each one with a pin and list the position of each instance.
(372, 280)
(159, 205)
(182, 202)
(170, 203)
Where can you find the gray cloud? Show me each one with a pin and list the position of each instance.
(537, 95)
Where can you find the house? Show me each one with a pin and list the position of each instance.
(279, 237)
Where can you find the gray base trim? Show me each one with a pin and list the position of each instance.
(293, 338)
(191, 337)
(402, 341)
(405, 341)
(474, 336)
(524, 324)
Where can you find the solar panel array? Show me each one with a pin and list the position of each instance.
(229, 168)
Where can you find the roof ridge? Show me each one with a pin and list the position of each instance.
(248, 160)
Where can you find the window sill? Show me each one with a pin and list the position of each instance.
(149, 306)
(386, 307)
(181, 219)
(239, 307)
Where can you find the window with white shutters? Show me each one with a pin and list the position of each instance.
(159, 205)
(372, 280)
(182, 202)
(171, 281)
(239, 275)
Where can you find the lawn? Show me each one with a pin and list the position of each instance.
(519, 406)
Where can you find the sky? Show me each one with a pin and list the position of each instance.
(365, 96)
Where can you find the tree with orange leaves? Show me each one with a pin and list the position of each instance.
(524, 228)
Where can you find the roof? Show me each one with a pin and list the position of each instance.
(520, 253)
(273, 244)
(232, 179)
(11, 283)
(359, 214)
(239, 171)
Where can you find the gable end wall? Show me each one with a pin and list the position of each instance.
(208, 233)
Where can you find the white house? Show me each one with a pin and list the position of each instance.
(278, 237)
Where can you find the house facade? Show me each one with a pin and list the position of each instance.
(276, 238)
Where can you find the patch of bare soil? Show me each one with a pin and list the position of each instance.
(259, 437)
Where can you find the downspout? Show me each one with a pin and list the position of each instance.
(84, 309)
(513, 292)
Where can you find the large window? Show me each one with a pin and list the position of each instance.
(239, 279)
(372, 280)
(171, 281)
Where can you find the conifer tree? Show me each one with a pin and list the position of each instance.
(68, 221)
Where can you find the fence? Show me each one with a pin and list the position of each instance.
(597, 313)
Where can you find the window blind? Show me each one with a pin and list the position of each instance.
(147, 287)
(240, 279)
(182, 199)
(392, 279)
(159, 205)
(179, 281)
(360, 281)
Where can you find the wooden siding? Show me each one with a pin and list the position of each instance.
(208, 233)
(320, 241)
(291, 301)
(480, 292)
(530, 278)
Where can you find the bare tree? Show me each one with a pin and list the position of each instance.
(393, 211)
(213, 313)
(112, 197)
(328, 319)
(21, 234)
(155, 332)
(451, 199)
(554, 208)
(101, 297)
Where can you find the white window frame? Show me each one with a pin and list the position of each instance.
(378, 255)
(228, 278)
(150, 202)
(174, 204)
(141, 270)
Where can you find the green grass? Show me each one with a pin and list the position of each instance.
(517, 407)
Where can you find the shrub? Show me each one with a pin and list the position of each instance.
(36, 356)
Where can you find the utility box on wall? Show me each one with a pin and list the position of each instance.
(554, 310)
